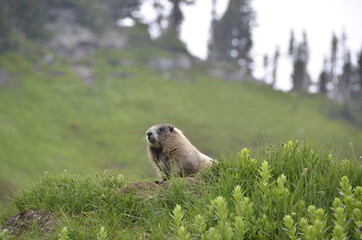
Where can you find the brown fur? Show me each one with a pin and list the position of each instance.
(171, 153)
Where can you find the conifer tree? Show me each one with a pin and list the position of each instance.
(300, 57)
(345, 84)
(176, 16)
(266, 66)
(359, 62)
(323, 79)
(333, 63)
(291, 43)
(275, 66)
(231, 38)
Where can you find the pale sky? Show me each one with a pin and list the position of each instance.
(318, 17)
(275, 19)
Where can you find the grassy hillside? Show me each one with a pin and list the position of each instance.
(53, 119)
(291, 191)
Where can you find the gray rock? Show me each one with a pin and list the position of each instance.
(184, 62)
(122, 75)
(112, 39)
(162, 63)
(233, 76)
(48, 59)
(126, 63)
(74, 41)
(4, 77)
(85, 73)
(166, 64)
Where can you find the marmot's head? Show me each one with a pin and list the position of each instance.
(156, 135)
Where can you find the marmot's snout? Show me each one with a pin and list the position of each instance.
(150, 136)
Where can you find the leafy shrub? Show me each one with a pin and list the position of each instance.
(245, 220)
(262, 205)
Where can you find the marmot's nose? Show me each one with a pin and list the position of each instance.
(149, 134)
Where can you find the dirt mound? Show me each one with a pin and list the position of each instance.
(28, 219)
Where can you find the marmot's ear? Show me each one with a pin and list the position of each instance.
(171, 128)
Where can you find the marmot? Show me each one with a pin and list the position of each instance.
(171, 153)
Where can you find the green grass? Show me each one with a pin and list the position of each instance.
(261, 188)
(51, 121)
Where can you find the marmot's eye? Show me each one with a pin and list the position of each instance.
(171, 128)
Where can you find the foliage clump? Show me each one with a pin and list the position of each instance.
(248, 222)
(267, 206)
(291, 191)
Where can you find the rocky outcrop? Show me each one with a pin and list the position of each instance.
(72, 40)
(230, 74)
(167, 63)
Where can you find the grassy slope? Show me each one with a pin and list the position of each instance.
(84, 204)
(51, 121)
